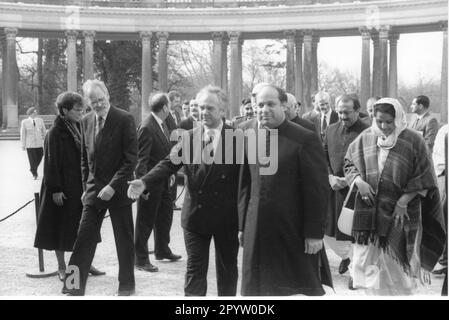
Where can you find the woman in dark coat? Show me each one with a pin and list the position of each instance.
(60, 198)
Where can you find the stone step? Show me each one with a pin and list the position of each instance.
(9, 135)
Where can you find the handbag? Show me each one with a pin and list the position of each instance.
(344, 222)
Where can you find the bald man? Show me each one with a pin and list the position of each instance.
(290, 109)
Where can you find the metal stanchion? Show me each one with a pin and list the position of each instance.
(41, 273)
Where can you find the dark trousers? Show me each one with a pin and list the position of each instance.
(226, 250)
(157, 213)
(35, 157)
(89, 235)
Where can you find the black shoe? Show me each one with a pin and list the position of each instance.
(61, 274)
(440, 271)
(148, 267)
(344, 264)
(351, 284)
(72, 292)
(126, 293)
(95, 272)
(171, 256)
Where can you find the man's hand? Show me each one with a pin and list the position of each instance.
(337, 183)
(241, 238)
(58, 198)
(106, 193)
(135, 189)
(172, 180)
(312, 246)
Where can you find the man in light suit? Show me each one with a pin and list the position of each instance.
(32, 134)
(424, 122)
(108, 158)
(155, 211)
(327, 115)
(210, 204)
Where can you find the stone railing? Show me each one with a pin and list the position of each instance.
(181, 3)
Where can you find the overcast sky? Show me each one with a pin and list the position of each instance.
(419, 55)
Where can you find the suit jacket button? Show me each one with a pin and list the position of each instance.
(200, 192)
(223, 176)
(200, 206)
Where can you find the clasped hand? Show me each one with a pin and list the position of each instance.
(337, 183)
(106, 193)
(135, 189)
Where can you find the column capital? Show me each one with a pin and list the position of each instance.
(234, 37)
(71, 35)
(299, 38)
(162, 36)
(218, 36)
(384, 31)
(393, 37)
(146, 36)
(365, 32)
(11, 33)
(443, 25)
(290, 35)
(89, 36)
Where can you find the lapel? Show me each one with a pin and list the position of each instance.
(108, 128)
(89, 134)
(159, 132)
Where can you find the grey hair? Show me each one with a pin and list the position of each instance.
(322, 95)
(218, 92)
(91, 84)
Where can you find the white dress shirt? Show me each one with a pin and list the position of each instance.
(32, 134)
(215, 132)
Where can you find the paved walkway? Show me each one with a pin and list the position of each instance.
(17, 255)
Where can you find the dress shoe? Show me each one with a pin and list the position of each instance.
(61, 274)
(148, 267)
(439, 269)
(95, 272)
(344, 264)
(171, 256)
(126, 293)
(72, 292)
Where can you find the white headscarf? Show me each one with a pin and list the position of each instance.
(400, 122)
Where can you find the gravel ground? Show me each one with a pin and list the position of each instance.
(18, 257)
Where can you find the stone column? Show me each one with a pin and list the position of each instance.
(162, 61)
(393, 69)
(89, 37)
(147, 73)
(298, 69)
(10, 102)
(290, 64)
(315, 40)
(383, 60)
(224, 65)
(4, 111)
(71, 60)
(375, 85)
(444, 76)
(217, 55)
(235, 85)
(307, 76)
(365, 81)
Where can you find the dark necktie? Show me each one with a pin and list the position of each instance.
(166, 131)
(210, 134)
(34, 123)
(415, 123)
(100, 127)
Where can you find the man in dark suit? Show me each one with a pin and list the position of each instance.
(109, 154)
(338, 137)
(210, 203)
(155, 211)
(327, 115)
(193, 119)
(290, 109)
(426, 124)
(282, 211)
(246, 113)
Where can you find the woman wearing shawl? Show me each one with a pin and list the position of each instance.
(60, 198)
(398, 221)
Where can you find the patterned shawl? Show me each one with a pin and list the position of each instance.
(74, 131)
(408, 168)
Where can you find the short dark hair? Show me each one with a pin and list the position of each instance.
(282, 95)
(351, 97)
(31, 110)
(158, 101)
(424, 100)
(67, 100)
(384, 108)
(246, 101)
(172, 95)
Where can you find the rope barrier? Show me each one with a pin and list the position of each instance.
(9, 216)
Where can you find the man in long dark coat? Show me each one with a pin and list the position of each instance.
(282, 212)
(338, 137)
